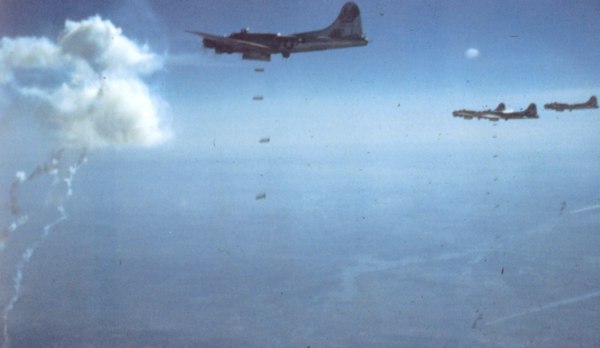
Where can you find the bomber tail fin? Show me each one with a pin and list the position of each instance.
(501, 107)
(347, 25)
(593, 102)
(531, 111)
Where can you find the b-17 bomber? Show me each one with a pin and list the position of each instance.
(498, 113)
(345, 31)
(592, 103)
(470, 114)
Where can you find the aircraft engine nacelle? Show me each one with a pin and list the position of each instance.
(264, 56)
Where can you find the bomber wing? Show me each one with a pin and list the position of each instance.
(490, 117)
(234, 44)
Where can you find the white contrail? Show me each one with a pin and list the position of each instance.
(50, 167)
(584, 209)
(25, 257)
(547, 306)
(28, 253)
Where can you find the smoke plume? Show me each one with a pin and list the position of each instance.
(87, 85)
(86, 89)
(63, 174)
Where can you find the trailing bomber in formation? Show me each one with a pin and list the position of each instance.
(344, 32)
(592, 103)
(498, 113)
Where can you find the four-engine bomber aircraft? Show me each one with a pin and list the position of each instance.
(345, 31)
(592, 103)
(498, 113)
(470, 114)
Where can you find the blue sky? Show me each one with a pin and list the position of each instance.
(385, 219)
(414, 67)
(532, 42)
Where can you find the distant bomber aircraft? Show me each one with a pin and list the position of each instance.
(345, 31)
(470, 114)
(592, 103)
(498, 113)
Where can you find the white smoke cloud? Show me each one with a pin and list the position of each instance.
(88, 85)
(472, 53)
(21, 176)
